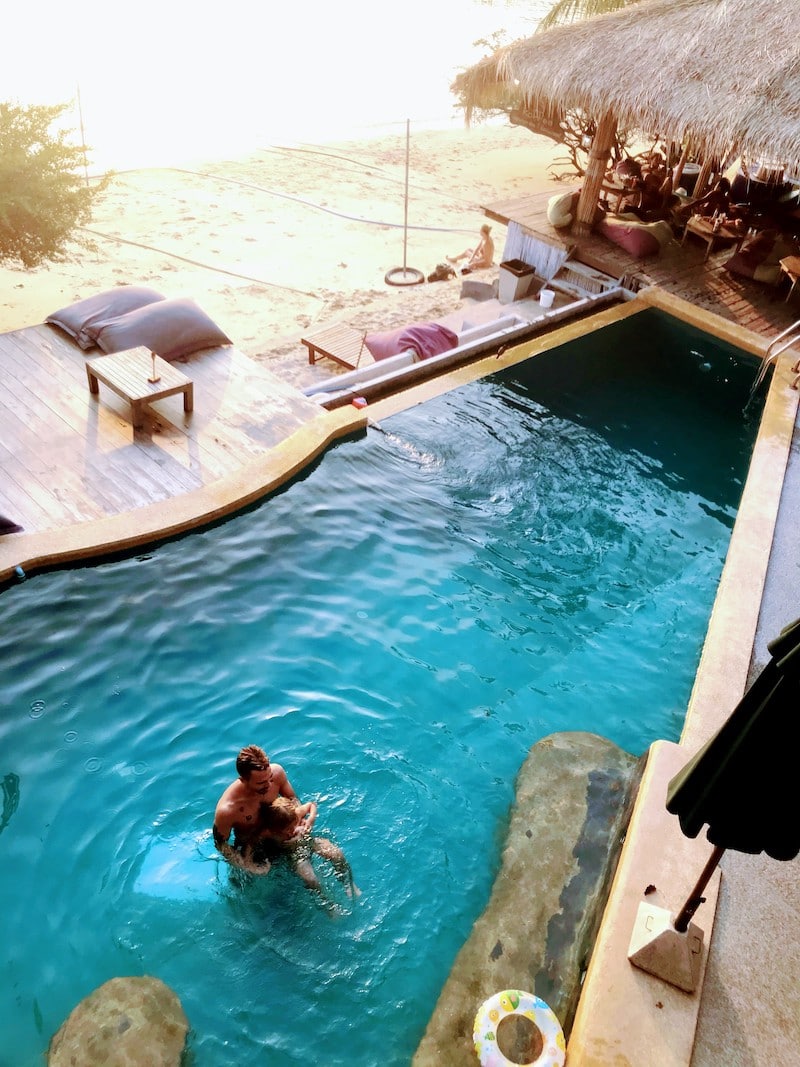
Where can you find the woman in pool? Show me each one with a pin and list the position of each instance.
(284, 831)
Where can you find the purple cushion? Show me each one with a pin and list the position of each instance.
(428, 339)
(636, 240)
(753, 254)
(425, 338)
(383, 345)
(80, 320)
(170, 328)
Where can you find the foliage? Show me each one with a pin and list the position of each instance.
(564, 11)
(43, 197)
(577, 133)
(572, 128)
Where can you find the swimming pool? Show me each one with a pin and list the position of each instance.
(535, 552)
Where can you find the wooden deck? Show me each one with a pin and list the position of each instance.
(680, 270)
(69, 456)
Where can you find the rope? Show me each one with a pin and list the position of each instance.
(197, 263)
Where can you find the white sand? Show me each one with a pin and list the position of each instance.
(276, 242)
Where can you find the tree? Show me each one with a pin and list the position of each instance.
(572, 10)
(43, 198)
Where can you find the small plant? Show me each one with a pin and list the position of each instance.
(43, 196)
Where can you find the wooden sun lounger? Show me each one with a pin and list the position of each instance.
(338, 342)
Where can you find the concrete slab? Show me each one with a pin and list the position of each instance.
(627, 1017)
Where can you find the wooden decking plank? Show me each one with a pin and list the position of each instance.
(69, 457)
(23, 497)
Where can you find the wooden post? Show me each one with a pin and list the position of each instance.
(703, 178)
(677, 174)
(595, 172)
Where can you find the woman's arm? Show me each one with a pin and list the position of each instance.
(307, 814)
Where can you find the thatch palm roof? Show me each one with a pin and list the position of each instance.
(722, 74)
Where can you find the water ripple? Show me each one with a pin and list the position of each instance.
(397, 629)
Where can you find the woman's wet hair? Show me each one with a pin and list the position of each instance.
(277, 816)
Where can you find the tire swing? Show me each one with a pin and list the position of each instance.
(405, 275)
(517, 1028)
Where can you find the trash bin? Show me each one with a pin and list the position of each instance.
(514, 280)
(691, 172)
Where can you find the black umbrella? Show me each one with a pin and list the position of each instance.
(741, 783)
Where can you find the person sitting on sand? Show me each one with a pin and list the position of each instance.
(284, 829)
(480, 256)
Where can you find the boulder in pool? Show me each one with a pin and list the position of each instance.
(574, 793)
(126, 1022)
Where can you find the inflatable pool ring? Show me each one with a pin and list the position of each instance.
(516, 1002)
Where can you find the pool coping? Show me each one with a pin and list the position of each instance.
(23, 553)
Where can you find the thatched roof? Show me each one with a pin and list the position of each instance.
(721, 73)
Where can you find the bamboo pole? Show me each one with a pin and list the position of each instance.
(677, 174)
(599, 155)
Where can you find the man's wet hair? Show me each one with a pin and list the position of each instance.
(252, 758)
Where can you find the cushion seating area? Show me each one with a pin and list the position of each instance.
(640, 239)
(81, 320)
(130, 316)
(759, 258)
(561, 208)
(170, 328)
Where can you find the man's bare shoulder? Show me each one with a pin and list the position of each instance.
(230, 797)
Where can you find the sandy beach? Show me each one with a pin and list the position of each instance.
(293, 236)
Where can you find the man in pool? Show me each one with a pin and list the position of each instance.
(259, 782)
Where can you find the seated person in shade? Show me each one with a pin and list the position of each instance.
(716, 201)
(479, 257)
(284, 831)
(656, 198)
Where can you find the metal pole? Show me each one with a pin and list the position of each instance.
(696, 898)
(405, 214)
(83, 135)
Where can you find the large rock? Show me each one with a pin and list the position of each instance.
(126, 1022)
(573, 802)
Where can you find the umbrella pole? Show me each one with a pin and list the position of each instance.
(405, 275)
(405, 212)
(696, 898)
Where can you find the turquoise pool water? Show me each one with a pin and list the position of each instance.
(536, 552)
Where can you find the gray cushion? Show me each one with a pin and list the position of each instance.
(80, 320)
(170, 328)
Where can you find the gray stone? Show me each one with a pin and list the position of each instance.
(126, 1022)
(573, 802)
(471, 289)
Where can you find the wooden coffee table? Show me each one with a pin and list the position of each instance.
(704, 229)
(790, 265)
(128, 374)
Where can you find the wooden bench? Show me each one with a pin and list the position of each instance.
(339, 342)
(129, 375)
